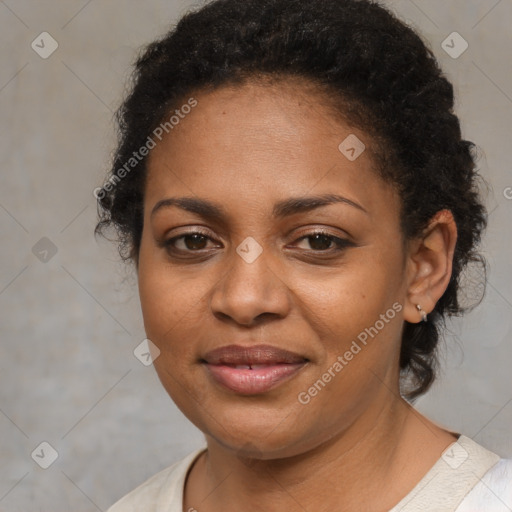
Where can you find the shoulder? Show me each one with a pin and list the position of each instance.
(164, 489)
(493, 493)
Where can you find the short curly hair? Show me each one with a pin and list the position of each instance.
(384, 79)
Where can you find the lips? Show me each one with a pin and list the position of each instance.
(252, 370)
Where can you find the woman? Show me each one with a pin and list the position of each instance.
(293, 189)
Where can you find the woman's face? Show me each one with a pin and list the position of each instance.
(255, 165)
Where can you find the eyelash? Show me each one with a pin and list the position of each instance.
(341, 243)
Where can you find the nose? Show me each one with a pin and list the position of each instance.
(251, 291)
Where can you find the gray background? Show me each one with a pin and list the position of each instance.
(69, 325)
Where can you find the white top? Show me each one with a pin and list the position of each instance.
(466, 478)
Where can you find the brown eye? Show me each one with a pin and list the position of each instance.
(320, 242)
(323, 242)
(194, 242)
(188, 242)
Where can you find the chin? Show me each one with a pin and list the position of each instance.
(253, 431)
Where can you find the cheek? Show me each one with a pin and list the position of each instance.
(169, 301)
(171, 308)
(343, 302)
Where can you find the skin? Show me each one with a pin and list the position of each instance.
(357, 445)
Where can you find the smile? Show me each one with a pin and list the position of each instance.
(252, 370)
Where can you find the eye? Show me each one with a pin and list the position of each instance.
(322, 241)
(194, 241)
(197, 241)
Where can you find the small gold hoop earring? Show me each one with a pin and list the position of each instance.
(422, 313)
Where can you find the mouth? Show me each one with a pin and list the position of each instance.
(252, 370)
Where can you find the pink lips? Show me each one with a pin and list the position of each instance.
(252, 370)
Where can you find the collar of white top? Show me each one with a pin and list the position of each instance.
(460, 467)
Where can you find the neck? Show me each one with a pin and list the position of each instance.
(371, 465)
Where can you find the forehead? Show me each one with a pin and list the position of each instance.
(263, 140)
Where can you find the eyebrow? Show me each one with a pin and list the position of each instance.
(288, 207)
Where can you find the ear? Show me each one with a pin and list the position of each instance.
(429, 265)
